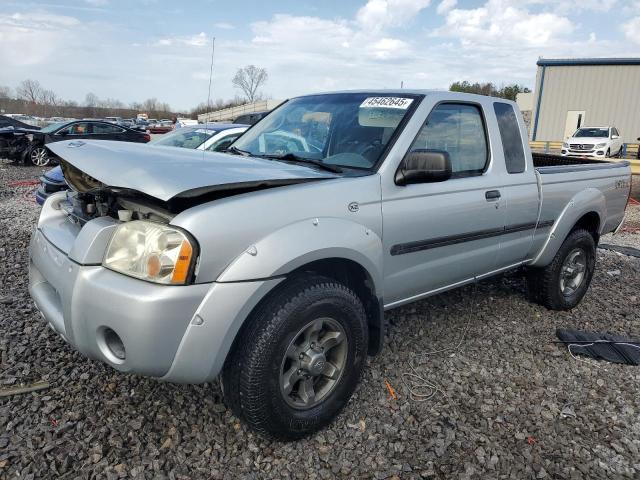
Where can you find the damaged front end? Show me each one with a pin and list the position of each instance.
(90, 199)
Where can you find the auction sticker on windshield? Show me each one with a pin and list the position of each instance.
(387, 102)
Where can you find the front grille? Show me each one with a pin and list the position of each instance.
(581, 147)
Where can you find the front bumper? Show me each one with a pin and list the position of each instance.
(84, 302)
(595, 153)
(176, 333)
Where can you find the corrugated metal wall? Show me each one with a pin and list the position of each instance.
(609, 94)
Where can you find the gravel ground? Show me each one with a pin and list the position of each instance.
(507, 403)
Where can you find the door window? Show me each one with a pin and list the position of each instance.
(105, 128)
(511, 138)
(81, 128)
(459, 130)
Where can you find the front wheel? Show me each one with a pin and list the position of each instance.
(298, 361)
(562, 284)
(39, 156)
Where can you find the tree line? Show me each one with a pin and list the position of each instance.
(504, 91)
(32, 98)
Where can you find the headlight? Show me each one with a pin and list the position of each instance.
(151, 251)
(601, 145)
(565, 145)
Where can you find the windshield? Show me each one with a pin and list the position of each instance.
(185, 138)
(592, 132)
(343, 129)
(52, 127)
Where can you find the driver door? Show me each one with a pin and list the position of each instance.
(442, 234)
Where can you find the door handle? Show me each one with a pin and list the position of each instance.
(492, 195)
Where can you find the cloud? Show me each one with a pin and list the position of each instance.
(378, 15)
(445, 5)
(199, 40)
(497, 24)
(631, 30)
(30, 38)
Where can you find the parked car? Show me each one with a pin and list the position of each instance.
(186, 122)
(8, 121)
(594, 142)
(117, 120)
(270, 264)
(76, 130)
(14, 143)
(214, 137)
(15, 137)
(251, 118)
(51, 181)
(162, 126)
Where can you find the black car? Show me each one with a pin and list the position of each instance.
(80, 129)
(251, 118)
(12, 122)
(15, 138)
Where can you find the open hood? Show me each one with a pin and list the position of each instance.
(168, 173)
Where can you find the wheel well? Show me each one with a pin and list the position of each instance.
(591, 223)
(356, 277)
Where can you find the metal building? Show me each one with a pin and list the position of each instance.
(570, 93)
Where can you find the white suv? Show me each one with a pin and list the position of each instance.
(596, 142)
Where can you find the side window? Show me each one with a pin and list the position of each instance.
(511, 138)
(458, 129)
(101, 128)
(76, 129)
(222, 144)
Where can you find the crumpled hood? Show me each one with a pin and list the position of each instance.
(168, 172)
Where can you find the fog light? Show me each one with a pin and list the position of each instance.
(599, 152)
(114, 344)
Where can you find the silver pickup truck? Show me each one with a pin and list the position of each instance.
(272, 264)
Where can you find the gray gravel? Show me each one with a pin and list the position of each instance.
(509, 403)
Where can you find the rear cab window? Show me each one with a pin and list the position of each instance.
(510, 136)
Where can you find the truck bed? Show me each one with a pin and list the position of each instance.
(553, 163)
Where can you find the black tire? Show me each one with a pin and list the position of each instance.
(545, 284)
(251, 378)
(608, 154)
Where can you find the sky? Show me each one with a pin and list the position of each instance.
(136, 49)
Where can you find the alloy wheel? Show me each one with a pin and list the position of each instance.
(573, 271)
(39, 157)
(313, 363)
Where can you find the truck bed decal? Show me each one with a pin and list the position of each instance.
(419, 245)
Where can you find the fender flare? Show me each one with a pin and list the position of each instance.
(584, 202)
(306, 241)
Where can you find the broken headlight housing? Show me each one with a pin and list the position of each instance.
(151, 251)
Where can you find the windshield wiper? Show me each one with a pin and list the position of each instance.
(237, 151)
(292, 157)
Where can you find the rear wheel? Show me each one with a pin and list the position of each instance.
(39, 156)
(298, 361)
(562, 284)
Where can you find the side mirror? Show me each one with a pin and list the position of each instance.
(424, 166)
(615, 136)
